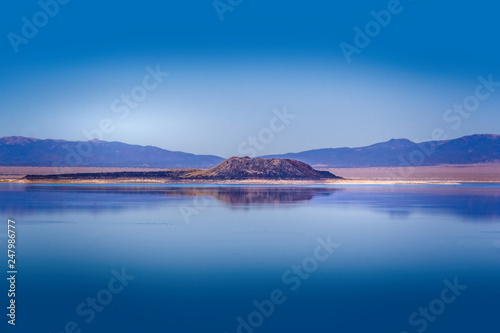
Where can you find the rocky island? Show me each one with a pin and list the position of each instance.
(233, 169)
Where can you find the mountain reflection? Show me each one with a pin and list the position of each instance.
(467, 201)
(236, 196)
(33, 198)
(482, 202)
(243, 196)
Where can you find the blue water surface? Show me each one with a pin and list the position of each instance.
(134, 258)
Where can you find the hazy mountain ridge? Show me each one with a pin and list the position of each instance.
(21, 151)
(480, 148)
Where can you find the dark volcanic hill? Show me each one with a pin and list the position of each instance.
(21, 151)
(259, 168)
(235, 168)
(483, 148)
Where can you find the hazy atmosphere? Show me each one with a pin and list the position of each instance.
(94, 64)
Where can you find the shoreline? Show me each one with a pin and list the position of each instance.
(486, 173)
(137, 181)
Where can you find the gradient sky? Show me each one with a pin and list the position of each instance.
(226, 77)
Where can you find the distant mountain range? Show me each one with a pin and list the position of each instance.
(481, 148)
(21, 151)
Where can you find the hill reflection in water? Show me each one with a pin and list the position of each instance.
(480, 201)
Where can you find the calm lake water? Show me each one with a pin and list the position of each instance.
(253, 259)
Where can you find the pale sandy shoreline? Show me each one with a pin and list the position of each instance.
(141, 181)
(486, 172)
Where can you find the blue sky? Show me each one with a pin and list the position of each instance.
(225, 78)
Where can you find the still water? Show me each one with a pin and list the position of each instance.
(133, 258)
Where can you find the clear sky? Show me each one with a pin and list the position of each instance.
(227, 76)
